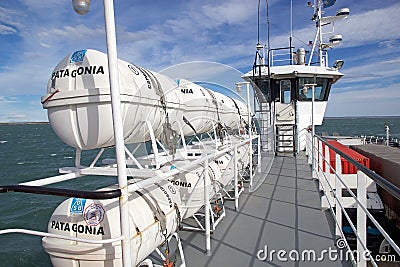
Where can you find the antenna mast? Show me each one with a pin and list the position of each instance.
(291, 32)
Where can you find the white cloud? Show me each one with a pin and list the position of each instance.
(373, 26)
(382, 100)
(11, 19)
(8, 99)
(233, 12)
(15, 116)
(383, 70)
(4, 30)
(70, 34)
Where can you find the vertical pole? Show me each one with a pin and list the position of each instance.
(327, 180)
(313, 155)
(78, 153)
(319, 163)
(387, 134)
(259, 153)
(235, 171)
(118, 129)
(321, 59)
(312, 110)
(250, 135)
(338, 187)
(291, 32)
(361, 217)
(313, 131)
(308, 147)
(153, 144)
(207, 209)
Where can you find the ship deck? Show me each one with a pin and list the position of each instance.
(283, 214)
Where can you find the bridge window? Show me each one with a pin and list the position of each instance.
(321, 89)
(285, 86)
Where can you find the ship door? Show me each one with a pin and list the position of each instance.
(284, 107)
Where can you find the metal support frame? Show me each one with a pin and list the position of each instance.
(207, 210)
(97, 157)
(154, 144)
(78, 153)
(132, 157)
(259, 154)
(183, 141)
(235, 170)
(250, 133)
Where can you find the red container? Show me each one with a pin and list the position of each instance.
(347, 168)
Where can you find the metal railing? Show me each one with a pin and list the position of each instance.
(318, 151)
(281, 57)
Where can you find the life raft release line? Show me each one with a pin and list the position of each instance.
(50, 96)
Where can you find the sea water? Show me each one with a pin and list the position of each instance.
(29, 152)
(361, 126)
(33, 151)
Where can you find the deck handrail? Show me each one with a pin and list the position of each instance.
(332, 195)
(385, 184)
(63, 192)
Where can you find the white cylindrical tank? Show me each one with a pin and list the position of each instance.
(301, 56)
(79, 104)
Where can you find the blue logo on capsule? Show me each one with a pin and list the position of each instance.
(78, 56)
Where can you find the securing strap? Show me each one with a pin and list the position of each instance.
(237, 107)
(158, 89)
(159, 215)
(215, 103)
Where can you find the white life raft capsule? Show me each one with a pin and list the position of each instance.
(79, 103)
(152, 212)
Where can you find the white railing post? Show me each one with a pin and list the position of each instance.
(251, 163)
(313, 155)
(338, 199)
(207, 209)
(361, 217)
(259, 153)
(308, 147)
(235, 171)
(320, 160)
(249, 121)
(327, 179)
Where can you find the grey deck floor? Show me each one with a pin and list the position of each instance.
(283, 214)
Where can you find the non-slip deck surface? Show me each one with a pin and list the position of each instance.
(283, 214)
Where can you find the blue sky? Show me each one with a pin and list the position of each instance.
(36, 35)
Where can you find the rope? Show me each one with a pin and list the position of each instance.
(50, 96)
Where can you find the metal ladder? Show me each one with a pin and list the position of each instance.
(264, 118)
(285, 138)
